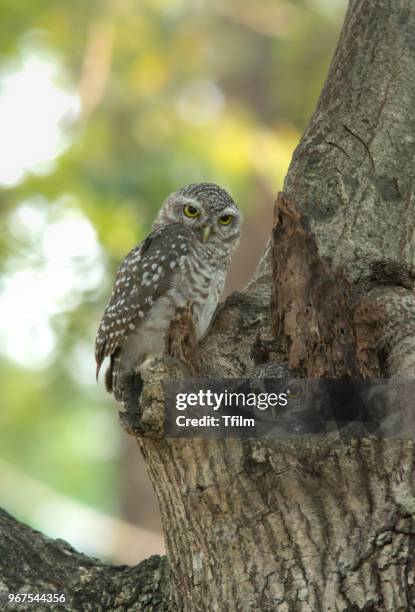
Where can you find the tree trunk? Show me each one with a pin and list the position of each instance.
(322, 524)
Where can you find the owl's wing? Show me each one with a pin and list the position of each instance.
(145, 275)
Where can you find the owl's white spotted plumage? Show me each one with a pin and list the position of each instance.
(185, 257)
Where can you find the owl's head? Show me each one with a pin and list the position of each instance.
(208, 209)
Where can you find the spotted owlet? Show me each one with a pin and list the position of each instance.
(185, 257)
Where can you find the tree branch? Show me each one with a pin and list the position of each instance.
(33, 563)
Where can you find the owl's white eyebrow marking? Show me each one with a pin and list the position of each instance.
(187, 200)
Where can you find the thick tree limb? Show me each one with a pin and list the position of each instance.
(32, 563)
(352, 173)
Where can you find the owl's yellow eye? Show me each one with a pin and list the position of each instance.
(225, 219)
(190, 211)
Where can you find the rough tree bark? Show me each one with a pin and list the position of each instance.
(311, 525)
(32, 563)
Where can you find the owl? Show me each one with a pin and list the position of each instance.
(185, 257)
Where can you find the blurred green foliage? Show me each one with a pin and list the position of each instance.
(169, 92)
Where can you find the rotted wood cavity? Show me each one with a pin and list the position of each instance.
(312, 304)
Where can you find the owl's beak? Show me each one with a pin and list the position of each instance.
(206, 230)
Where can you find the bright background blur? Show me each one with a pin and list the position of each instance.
(106, 107)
